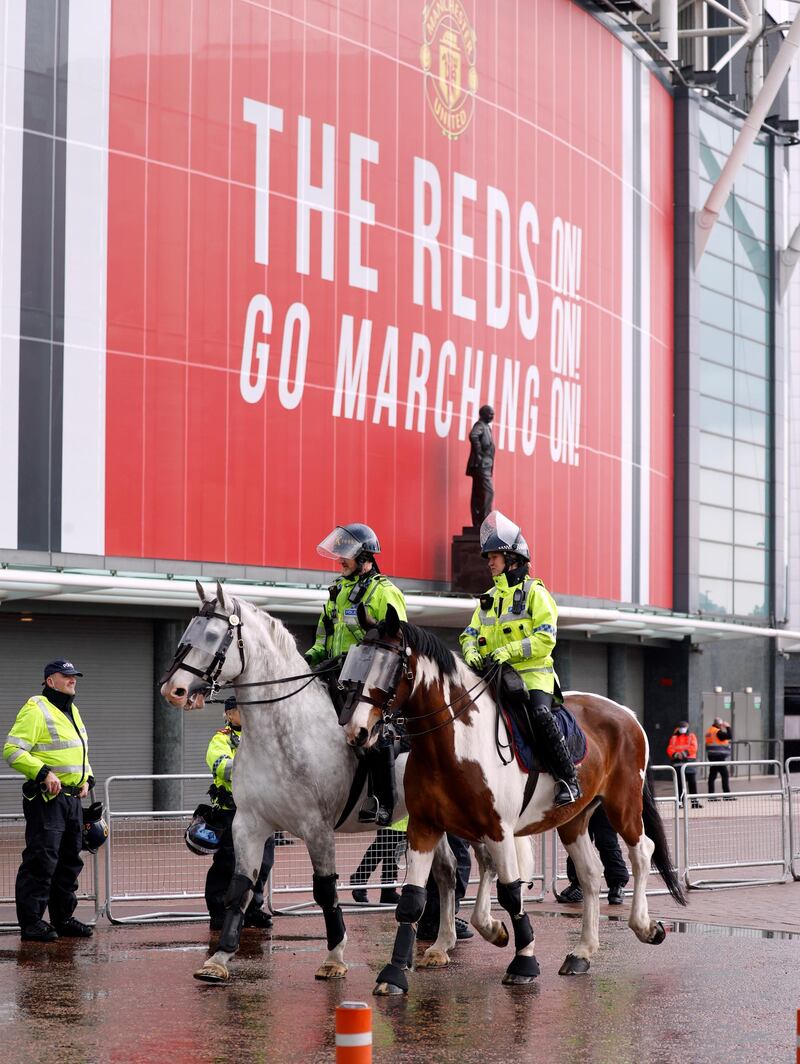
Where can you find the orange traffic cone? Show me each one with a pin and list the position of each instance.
(353, 1033)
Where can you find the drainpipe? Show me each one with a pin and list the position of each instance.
(706, 218)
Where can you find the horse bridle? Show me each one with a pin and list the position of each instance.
(214, 668)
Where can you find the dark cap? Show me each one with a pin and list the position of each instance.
(682, 724)
(66, 668)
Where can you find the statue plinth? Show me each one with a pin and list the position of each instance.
(470, 572)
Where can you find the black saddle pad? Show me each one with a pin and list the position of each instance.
(527, 757)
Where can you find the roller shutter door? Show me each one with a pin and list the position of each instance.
(115, 695)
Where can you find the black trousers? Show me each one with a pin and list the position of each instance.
(480, 502)
(463, 867)
(605, 839)
(382, 849)
(719, 768)
(51, 860)
(223, 865)
(691, 778)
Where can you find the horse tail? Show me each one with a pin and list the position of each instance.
(662, 859)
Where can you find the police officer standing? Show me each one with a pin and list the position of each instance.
(515, 624)
(354, 547)
(219, 756)
(49, 746)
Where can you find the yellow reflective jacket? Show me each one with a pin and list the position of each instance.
(522, 618)
(44, 735)
(220, 754)
(338, 628)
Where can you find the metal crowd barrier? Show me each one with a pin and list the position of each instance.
(746, 830)
(12, 843)
(773, 751)
(667, 805)
(793, 790)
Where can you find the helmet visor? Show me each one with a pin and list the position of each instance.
(498, 533)
(339, 544)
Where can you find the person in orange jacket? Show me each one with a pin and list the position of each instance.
(682, 750)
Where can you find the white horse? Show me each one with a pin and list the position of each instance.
(293, 771)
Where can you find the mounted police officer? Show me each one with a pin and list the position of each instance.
(515, 624)
(354, 547)
(219, 757)
(49, 746)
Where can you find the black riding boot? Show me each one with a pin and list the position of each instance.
(557, 755)
(379, 807)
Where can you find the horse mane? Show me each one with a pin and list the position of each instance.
(285, 642)
(430, 646)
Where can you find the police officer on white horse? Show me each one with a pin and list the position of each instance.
(354, 547)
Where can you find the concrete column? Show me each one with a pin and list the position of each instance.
(167, 721)
(617, 672)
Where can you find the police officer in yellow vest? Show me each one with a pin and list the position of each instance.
(515, 624)
(354, 548)
(49, 746)
(219, 757)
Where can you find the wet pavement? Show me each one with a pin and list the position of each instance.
(707, 994)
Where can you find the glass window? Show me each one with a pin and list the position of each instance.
(716, 452)
(751, 253)
(751, 461)
(750, 564)
(750, 391)
(749, 494)
(717, 273)
(751, 529)
(751, 185)
(752, 322)
(717, 488)
(751, 286)
(716, 309)
(716, 596)
(716, 380)
(751, 426)
(751, 356)
(715, 560)
(716, 523)
(716, 416)
(720, 243)
(750, 219)
(716, 344)
(750, 600)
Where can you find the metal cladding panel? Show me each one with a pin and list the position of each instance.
(115, 694)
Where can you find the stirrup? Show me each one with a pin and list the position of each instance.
(568, 791)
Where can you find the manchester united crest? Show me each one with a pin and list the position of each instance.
(448, 59)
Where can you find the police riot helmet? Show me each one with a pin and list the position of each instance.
(349, 541)
(95, 828)
(499, 535)
(201, 837)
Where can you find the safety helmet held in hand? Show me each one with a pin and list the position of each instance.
(95, 829)
(201, 837)
(499, 535)
(348, 541)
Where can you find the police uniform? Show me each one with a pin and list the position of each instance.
(49, 736)
(219, 757)
(718, 750)
(515, 624)
(338, 629)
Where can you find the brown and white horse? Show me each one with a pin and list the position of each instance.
(457, 781)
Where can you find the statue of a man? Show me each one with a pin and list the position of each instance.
(481, 465)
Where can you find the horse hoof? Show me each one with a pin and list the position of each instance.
(517, 980)
(331, 970)
(659, 934)
(501, 938)
(574, 966)
(388, 990)
(211, 972)
(433, 958)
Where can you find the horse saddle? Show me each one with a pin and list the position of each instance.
(527, 756)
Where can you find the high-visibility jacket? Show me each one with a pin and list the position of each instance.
(523, 618)
(44, 735)
(717, 747)
(219, 758)
(338, 628)
(683, 744)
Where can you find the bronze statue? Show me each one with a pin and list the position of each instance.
(481, 466)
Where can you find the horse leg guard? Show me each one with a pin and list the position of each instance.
(238, 888)
(523, 968)
(409, 909)
(324, 890)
